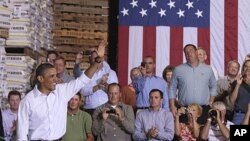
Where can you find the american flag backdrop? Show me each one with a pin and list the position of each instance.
(161, 28)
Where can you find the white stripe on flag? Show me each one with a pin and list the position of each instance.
(135, 48)
(243, 30)
(217, 35)
(190, 36)
(162, 48)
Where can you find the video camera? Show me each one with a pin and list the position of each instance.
(213, 115)
(111, 111)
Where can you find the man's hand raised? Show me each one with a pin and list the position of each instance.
(101, 48)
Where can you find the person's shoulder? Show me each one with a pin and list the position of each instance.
(203, 65)
(101, 107)
(84, 114)
(29, 95)
(160, 78)
(112, 71)
(166, 111)
(5, 112)
(125, 105)
(222, 79)
(143, 113)
(181, 67)
(71, 77)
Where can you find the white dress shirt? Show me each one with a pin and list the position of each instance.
(95, 99)
(8, 118)
(43, 117)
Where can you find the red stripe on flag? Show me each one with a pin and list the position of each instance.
(231, 31)
(123, 44)
(149, 41)
(176, 46)
(204, 41)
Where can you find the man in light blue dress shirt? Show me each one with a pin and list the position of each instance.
(155, 123)
(195, 82)
(148, 81)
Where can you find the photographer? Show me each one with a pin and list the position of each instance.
(189, 130)
(217, 127)
(114, 120)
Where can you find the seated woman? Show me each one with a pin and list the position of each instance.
(190, 130)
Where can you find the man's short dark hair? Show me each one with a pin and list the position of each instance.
(192, 45)
(156, 90)
(52, 52)
(60, 58)
(114, 84)
(42, 68)
(14, 92)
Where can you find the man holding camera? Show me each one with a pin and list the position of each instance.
(146, 82)
(217, 127)
(113, 120)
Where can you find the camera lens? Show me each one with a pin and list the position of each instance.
(111, 111)
(212, 113)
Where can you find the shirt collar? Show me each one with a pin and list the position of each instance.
(10, 112)
(192, 66)
(77, 112)
(151, 110)
(39, 93)
(119, 104)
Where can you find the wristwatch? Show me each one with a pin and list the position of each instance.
(98, 59)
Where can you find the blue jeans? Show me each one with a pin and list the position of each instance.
(237, 118)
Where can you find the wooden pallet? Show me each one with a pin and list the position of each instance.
(71, 48)
(80, 26)
(100, 3)
(75, 41)
(72, 56)
(58, 16)
(75, 49)
(80, 34)
(80, 9)
(4, 33)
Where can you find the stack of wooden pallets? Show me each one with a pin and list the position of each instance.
(80, 25)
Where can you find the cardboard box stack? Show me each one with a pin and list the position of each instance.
(5, 16)
(25, 25)
(31, 24)
(19, 69)
(3, 75)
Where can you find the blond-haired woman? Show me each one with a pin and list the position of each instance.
(190, 130)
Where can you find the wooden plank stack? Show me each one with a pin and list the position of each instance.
(79, 25)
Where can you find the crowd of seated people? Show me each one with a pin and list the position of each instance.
(187, 103)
